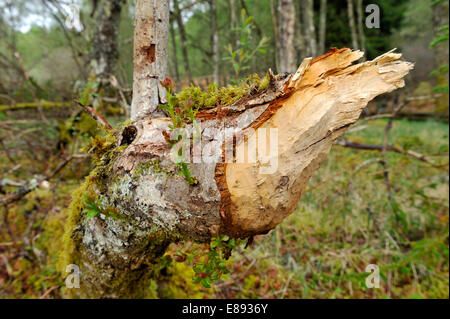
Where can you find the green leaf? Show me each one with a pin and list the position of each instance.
(206, 282)
(215, 276)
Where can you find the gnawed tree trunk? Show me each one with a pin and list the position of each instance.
(309, 110)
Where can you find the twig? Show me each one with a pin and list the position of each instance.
(374, 220)
(6, 152)
(33, 93)
(31, 185)
(396, 149)
(100, 119)
(48, 292)
(387, 128)
(7, 266)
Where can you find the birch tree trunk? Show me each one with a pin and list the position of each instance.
(215, 41)
(309, 28)
(149, 58)
(286, 20)
(183, 39)
(322, 26)
(351, 24)
(105, 52)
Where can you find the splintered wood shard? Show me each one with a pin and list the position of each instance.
(309, 109)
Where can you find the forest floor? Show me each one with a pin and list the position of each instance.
(345, 221)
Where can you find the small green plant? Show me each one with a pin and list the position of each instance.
(185, 171)
(441, 37)
(179, 111)
(213, 264)
(242, 55)
(92, 208)
(88, 92)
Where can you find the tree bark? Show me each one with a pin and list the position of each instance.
(274, 15)
(287, 54)
(322, 26)
(234, 195)
(234, 22)
(351, 24)
(183, 39)
(150, 57)
(215, 41)
(309, 28)
(105, 52)
(299, 38)
(361, 36)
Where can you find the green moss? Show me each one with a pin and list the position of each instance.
(46, 105)
(180, 285)
(68, 253)
(152, 166)
(224, 96)
(105, 151)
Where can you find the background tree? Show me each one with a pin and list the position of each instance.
(104, 54)
(309, 27)
(440, 45)
(286, 37)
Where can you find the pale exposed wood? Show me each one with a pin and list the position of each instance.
(327, 99)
